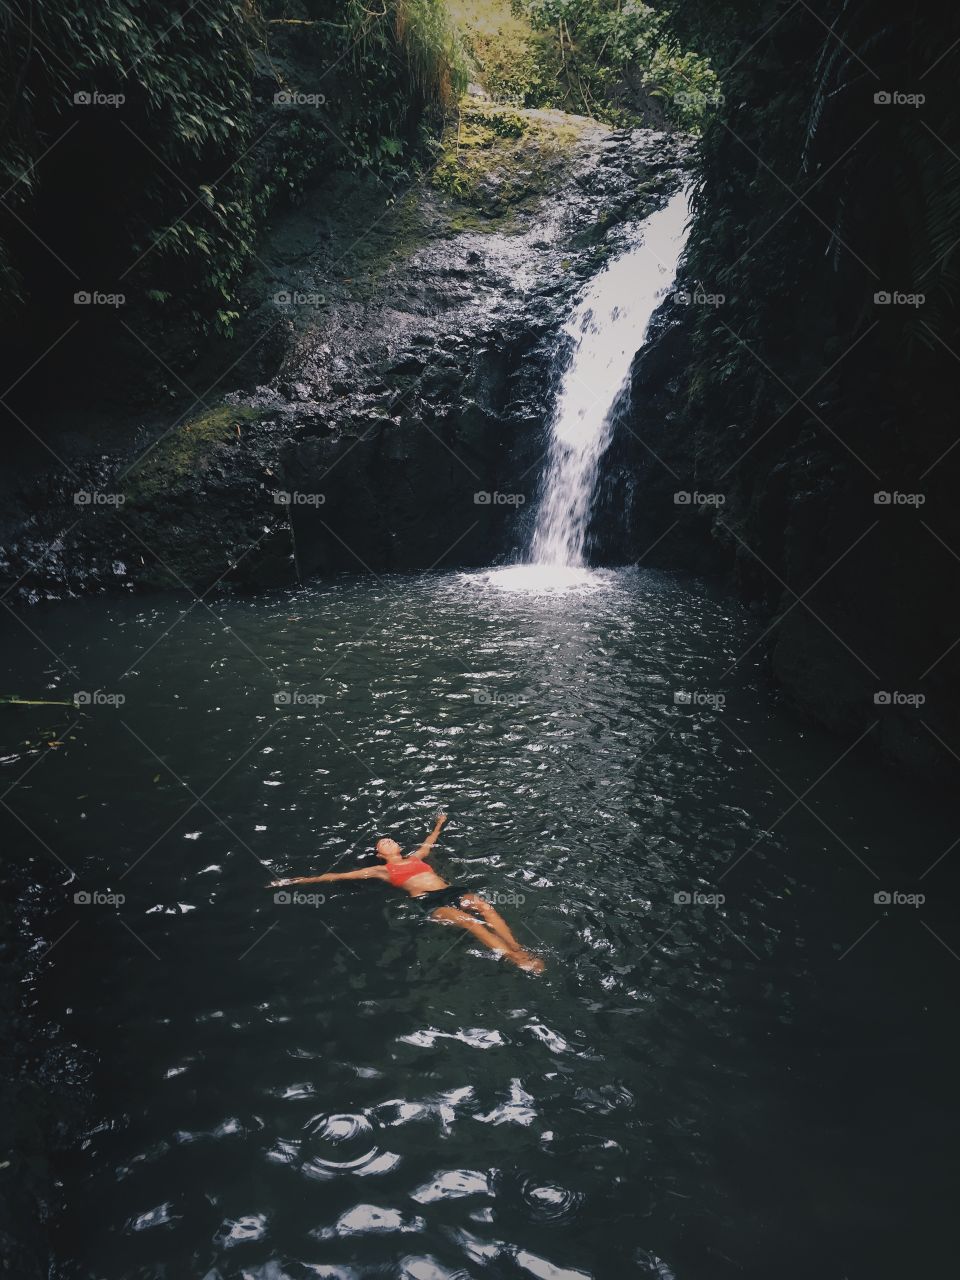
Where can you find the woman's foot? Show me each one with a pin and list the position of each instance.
(515, 954)
(525, 960)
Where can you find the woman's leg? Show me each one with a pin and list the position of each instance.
(512, 952)
(477, 902)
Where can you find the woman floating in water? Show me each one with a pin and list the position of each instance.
(439, 899)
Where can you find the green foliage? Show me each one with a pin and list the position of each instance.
(430, 49)
(515, 64)
(810, 198)
(616, 53)
(184, 97)
(214, 155)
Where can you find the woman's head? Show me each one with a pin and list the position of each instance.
(388, 849)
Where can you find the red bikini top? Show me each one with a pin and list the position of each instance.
(398, 872)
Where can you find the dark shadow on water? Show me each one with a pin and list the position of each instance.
(732, 1057)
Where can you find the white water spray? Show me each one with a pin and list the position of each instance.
(608, 327)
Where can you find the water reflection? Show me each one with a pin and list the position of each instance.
(335, 1089)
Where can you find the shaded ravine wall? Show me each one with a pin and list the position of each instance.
(804, 378)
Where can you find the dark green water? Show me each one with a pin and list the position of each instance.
(761, 1087)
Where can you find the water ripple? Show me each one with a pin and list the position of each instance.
(343, 1089)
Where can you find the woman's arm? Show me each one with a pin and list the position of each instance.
(427, 846)
(365, 873)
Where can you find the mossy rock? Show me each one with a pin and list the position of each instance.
(483, 119)
(185, 452)
(498, 161)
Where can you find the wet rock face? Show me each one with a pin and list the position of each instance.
(430, 474)
(648, 507)
(417, 403)
(851, 634)
(384, 402)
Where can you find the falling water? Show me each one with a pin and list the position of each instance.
(608, 328)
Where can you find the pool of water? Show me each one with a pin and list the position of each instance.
(737, 1062)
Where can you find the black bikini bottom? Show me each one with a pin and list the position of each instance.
(449, 897)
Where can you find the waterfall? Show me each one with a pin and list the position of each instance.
(608, 327)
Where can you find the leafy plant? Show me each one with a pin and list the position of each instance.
(616, 53)
(188, 159)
